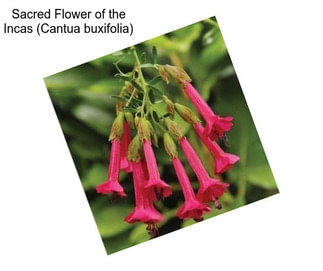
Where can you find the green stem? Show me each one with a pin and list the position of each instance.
(130, 98)
(145, 102)
(157, 123)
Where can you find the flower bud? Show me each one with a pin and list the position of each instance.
(175, 130)
(129, 88)
(178, 73)
(129, 119)
(137, 121)
(134, 150)
(162, 72)
(119, 106)
(169, 106)
(144, 131)
(170, 146)
(117, 127)
(154, 138)
(186, 114)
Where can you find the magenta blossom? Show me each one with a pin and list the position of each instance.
(210, 189)
(216, 126)
(155, 184)
(112, 185)
(125, 165)
(192, 208)
(223, 161)
(144, 210)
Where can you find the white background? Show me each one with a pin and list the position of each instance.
(276, 48)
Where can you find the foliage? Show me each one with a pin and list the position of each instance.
(82, 97)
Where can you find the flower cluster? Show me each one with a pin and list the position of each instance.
(134, 136)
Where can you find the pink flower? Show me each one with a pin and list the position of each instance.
(216, 126)
(210, 192)
(192, 208)
(144, 210)
(223, 161)
(125, 165)
(112, 184)
(160, 188)
(210, 189)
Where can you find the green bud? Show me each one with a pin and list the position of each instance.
(162, 72)
(136, 121)
(143, 129)
(170, 146)
(134, 150)
(178, 73)
(186, 114)
(154, 138)
(169, 106)
(129, 119)
(129, 87)
(174, 129)
(119, 106)
(117, 127)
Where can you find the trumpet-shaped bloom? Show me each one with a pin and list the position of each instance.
(216, 126)
(112, 185)
(192, 208)
(210, 189)
(160, 188)
(223, 161)
(125, 165)
(144, 210)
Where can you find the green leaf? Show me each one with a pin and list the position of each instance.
(123, 77)
(156, 90)
(128, 109)
(136, 85)
(151, 96)
(119, 98)
(166, 115)
(143, 57)
(155, 80)
(154, 52)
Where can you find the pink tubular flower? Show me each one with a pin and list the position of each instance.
(144, 210)
(155, 184)
(223, 161)
(216, 126)
(125, 165)
(112, 184)
(192, 208)
(210, 189)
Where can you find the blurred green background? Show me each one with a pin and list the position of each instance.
(82, 100)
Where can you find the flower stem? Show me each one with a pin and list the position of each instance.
(130, 98)
(145, 102)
